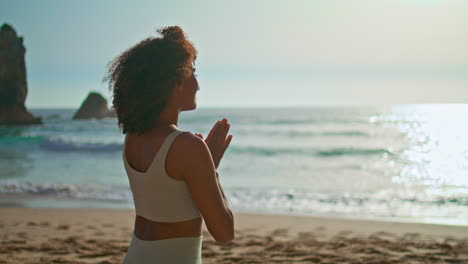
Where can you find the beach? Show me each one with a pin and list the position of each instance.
(308, 185)
(346, 128)
(54, 235)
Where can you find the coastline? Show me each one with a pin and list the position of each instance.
(98, 235)
(45, 201)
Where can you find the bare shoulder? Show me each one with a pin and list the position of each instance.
(190, 142)
(190, 147)
(193, 154)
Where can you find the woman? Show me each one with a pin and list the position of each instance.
(172, 173)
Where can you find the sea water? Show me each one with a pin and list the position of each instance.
(407, 162)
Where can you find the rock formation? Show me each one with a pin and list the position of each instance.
(94, 106)
(13, 85)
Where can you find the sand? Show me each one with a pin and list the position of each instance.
(36, 235)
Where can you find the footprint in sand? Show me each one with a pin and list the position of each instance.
(63, 227)
(280, 232)
(99, 233)
(275, 247)
(44, 223)
(254, 242)
(303, 235)
(343, 234)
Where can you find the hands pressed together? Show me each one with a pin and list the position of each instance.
(218, 140)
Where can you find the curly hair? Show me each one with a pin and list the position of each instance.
(142, 78)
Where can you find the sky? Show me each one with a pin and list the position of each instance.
(256, 53)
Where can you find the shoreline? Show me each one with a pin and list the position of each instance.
(15, 200)
(102, 236)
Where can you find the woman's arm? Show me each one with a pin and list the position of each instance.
(224, 196)
(200, 175)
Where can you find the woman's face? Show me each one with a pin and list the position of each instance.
(189, 89)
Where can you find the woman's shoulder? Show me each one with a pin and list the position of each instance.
(194, 157)
(189, 142)
(187, 136)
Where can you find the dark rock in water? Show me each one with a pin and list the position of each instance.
(54, 116)
(94, 106)
(13, 84)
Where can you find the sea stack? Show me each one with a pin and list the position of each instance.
(94, 106)
(13, 84)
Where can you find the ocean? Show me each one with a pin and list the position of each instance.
(402, 163)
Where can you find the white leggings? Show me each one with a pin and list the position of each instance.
(180, 250)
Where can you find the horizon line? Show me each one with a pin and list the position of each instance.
(284, 106)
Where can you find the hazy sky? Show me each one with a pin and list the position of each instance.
(257, 53)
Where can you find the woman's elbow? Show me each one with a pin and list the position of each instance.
(225, 238)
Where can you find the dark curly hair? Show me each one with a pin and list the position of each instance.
(142, 78)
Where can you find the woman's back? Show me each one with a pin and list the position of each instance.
(168, 222)
(157, 195)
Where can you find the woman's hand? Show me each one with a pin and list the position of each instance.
(217, 140)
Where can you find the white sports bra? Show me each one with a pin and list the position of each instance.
(157, 196)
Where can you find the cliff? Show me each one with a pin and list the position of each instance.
(13, 84)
